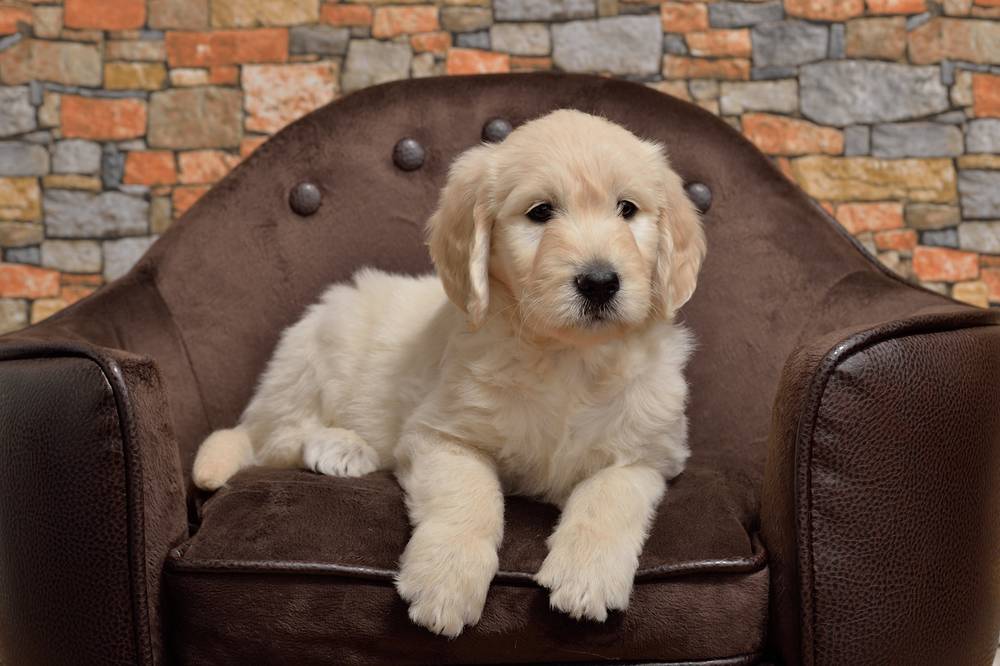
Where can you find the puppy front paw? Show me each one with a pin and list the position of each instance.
(339, 452)
(587, 579)
(445, 581)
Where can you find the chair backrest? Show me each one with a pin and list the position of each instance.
(211, 297)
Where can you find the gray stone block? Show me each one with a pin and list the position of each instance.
(788, 43)
(674, 45)
(370, 62)
(920, 139)
(23, 159)
(980, 194)
(76, 156)
(73, 256)
(781, 96)
(771, 73)
(617, 45)
(848, 92)
(120, 255)
(917, 20)
(112, 167)
(983, 136)
(526, 39)
(23, 255)
(543, 10)
(857, 140)
(473, 40)
(71, 214)
(318, 39)
(837, 35)
(950, 117)
(17, 115)
(742, 14)
(980, 236)
(940, 237)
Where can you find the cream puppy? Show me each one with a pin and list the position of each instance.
(542, 360)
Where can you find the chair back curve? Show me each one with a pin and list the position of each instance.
(242, 264)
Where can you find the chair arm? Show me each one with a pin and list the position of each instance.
(879, 507)
(91, 501)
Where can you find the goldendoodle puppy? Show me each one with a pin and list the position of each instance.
(543, 359)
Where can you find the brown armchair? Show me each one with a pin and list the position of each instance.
(840, 507)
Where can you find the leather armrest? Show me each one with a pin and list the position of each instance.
(91, 500)
(879, 508)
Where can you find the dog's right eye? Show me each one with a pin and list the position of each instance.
(540, 213)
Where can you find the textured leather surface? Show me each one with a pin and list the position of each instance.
(91, 500)
(879, 505)
(203, 309)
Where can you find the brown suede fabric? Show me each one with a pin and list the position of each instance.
(289, 567)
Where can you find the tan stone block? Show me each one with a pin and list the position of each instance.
(184, 77)
(984, 161)
(47, 21)
(955, 39)
(57, 62)
(974, 293)
(71, 182)
(48, 112)
(20, 199)
(961, 90)
(134, 75)
(252, 13)
(178, 14)
(195, 118)
(152, 50)
(872, 179)
(883, 38)
(19, 234)
(932, 216)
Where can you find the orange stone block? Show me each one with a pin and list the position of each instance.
(530, 63)
(897, 6)
(71, 293)
(991, 276)
(150, 167)
(472, 61)
(11, 16)
(205, 166)
(392, 21)
(250, 144)
(104, 14)
(901, 240)
(226, 47)
(683, 17)
(940, 264)
(431, 42)
(988, 3)
(21, 281)
(185, 197)
(780, 135)
(825, 10)
(224, 75)
(986, 95)
(346, 15)
(103, 119)
(680, 67)
(860, 217)
(719, 43)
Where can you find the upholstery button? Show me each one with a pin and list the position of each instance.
(700, 196)
(305, 199)
(496, 130)
(408, 154)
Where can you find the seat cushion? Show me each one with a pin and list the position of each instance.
(294, 567)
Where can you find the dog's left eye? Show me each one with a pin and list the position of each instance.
(627, 209)
(540, 213)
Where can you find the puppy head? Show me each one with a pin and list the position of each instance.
(586, 226)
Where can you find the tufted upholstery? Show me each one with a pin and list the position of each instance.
(833, 511)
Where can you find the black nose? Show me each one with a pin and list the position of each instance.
(597, 285)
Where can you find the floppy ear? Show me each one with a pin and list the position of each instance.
(458, 234)
(681, 248)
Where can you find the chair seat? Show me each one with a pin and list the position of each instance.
(294, 567)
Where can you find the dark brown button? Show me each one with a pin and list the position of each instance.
(700, 196)
(408, 154)
(496, 130)
(305, 199)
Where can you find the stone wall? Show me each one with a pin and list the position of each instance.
(116, 115)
